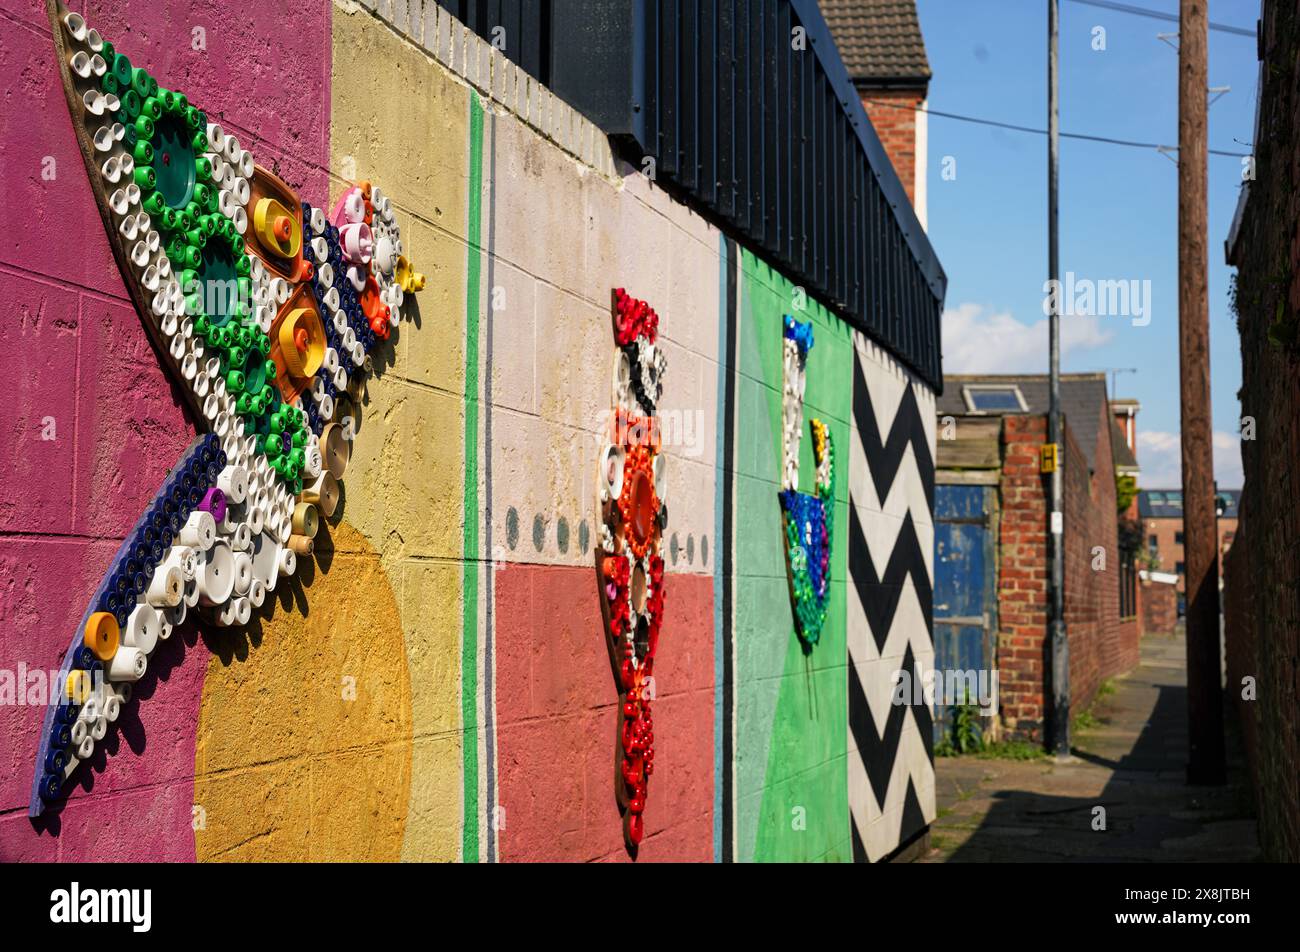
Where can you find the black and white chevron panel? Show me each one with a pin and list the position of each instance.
(890, 602)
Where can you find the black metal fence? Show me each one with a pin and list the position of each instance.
(746, 112)
(521, 29)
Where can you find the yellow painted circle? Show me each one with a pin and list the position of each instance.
(304, 743)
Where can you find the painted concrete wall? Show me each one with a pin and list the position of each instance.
(791, 708)
(434, 685)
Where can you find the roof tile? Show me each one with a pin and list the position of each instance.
(878, 39)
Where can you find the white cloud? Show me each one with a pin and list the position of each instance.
(977, 340)
(1160, 459)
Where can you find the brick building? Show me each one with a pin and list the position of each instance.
(991, 429)
(881, 44)
(1261, 610)
(1161, 512)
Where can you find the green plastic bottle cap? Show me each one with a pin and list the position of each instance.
(122, 69)
(144, 127)
(110, 84)
(255, 371)
(143, 83)
(154, 204)
(130, 105)
(151, 107)
(144, 176)
(143, 154)
(235, 381)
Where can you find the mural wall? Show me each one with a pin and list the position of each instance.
(455, 702)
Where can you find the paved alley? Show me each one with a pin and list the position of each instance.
(1131, 762)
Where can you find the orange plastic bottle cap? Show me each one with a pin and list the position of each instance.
(102, 635)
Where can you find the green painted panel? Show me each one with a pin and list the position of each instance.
(791, 709)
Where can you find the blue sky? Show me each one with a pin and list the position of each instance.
(1119, 205)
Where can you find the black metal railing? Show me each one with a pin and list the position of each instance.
(747, 113)
(521, 29)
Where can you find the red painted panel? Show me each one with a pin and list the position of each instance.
(555, 721)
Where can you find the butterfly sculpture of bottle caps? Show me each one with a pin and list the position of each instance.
(807, 518)
(632, 515)
(264, 308)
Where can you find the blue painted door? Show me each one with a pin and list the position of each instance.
(964, 606)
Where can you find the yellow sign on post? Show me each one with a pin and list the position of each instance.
(1047, 457)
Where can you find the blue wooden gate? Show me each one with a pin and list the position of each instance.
(965, 609)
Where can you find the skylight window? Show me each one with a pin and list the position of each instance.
(994, 398)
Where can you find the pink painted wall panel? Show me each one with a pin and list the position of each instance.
(555, 715)
(75, 352)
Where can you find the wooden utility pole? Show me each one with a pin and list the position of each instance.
(1200, 536)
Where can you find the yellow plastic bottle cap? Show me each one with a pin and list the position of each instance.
(102, 635)
(276, 228)
(302, 342)
(77, 686)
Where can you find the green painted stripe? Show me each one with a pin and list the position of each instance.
(470, 565)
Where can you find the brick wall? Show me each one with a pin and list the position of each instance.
(1101, 644)
(1159, 601)
(1022, 578)
(1263, 622)
(1167, 533)
(893, 114)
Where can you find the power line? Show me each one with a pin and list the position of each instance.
(1159, 15)
(1042, 132)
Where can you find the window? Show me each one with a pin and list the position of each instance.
(1153, 542)
(1180, 568)
(1178, 538)
(1127, 588)
(993, 398)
